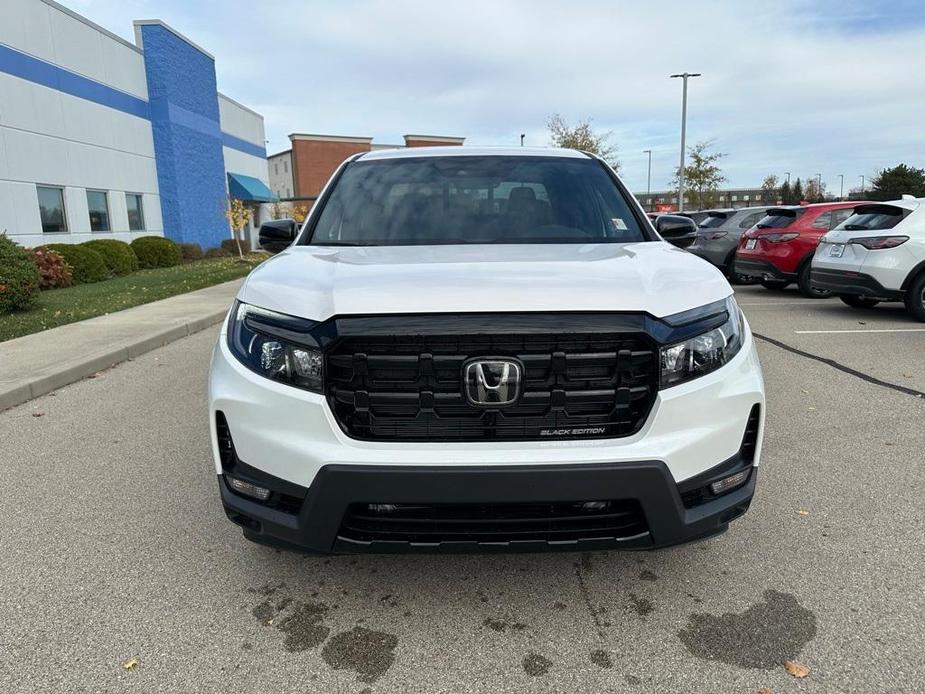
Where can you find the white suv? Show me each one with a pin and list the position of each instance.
(877, 254)
(470, 348)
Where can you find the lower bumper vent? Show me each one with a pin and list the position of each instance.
(496, 524)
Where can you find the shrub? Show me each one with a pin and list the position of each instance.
(86, 264)
(119, 257)
(19, 277)
(190, 252)
(54, 272)
(156, 251)
(231, 246)
(218, 253)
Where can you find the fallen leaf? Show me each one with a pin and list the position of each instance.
(803, 513)
(796, 669)
(887, 443)
(764, 690)
(38, 414)
(130, 664)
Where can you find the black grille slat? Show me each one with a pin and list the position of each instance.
(492, 523)
(410, 387)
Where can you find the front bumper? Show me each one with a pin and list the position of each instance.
(853, 284)
(669, 516)
(290, 437)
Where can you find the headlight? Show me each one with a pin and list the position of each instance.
(271, 344)
(703, 353)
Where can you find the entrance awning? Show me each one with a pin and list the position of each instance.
(249, 189)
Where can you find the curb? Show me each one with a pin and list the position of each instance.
(18, 392)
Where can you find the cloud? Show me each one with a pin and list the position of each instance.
(796, 86)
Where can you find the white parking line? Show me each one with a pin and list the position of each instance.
(839, 332)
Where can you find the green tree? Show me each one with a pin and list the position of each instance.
(702, 176)
(583, 138)
(893, 183)
(786, 194)
(796, 194)
(769, 190)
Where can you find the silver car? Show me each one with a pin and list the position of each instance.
(719, 233)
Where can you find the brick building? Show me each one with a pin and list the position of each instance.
(299, 173)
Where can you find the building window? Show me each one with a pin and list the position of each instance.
(51, 209)
(98, 205)
(276, 168)
(136, 212)
(285, 166)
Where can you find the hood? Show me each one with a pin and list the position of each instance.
(318, 282)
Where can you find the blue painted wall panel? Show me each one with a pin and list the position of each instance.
(187, 138)
(26, 67)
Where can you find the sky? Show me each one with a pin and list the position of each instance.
(805, 86)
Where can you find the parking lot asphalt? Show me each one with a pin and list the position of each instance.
(114, 550)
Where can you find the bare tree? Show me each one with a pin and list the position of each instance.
(770, 189)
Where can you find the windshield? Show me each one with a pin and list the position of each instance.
(475, 199)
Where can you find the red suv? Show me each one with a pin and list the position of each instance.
(779, 249)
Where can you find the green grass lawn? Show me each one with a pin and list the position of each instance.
(60, 306)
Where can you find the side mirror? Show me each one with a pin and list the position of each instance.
(278, 235)
(676, 229)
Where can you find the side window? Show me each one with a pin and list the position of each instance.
(823, 221)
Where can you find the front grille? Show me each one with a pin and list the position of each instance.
(505, 523)
(410, 388)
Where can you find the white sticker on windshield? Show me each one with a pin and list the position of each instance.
(618, 224)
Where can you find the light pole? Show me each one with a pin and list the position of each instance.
(841, 186)
(819, 185)
(862, 185)
(649, 178)
(787, 174)
(684, 76)
(522, 136)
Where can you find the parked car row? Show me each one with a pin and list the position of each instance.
(863, 252)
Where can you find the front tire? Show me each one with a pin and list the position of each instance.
(775, 285)
(858, 301)
(806, 287)
(915, 298)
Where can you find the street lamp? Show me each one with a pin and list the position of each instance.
(841, 186)
(787, 174)
(819, 184)
(649, 177)
(862, 185)
(684, 76)
(522, 136)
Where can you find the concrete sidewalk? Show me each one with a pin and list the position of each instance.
(36, 364)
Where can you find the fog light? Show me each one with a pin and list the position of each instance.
(727, 484)
(248, 489)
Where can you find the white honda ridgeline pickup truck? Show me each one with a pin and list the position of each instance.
(482, 349)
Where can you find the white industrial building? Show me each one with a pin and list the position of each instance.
(103, 138)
